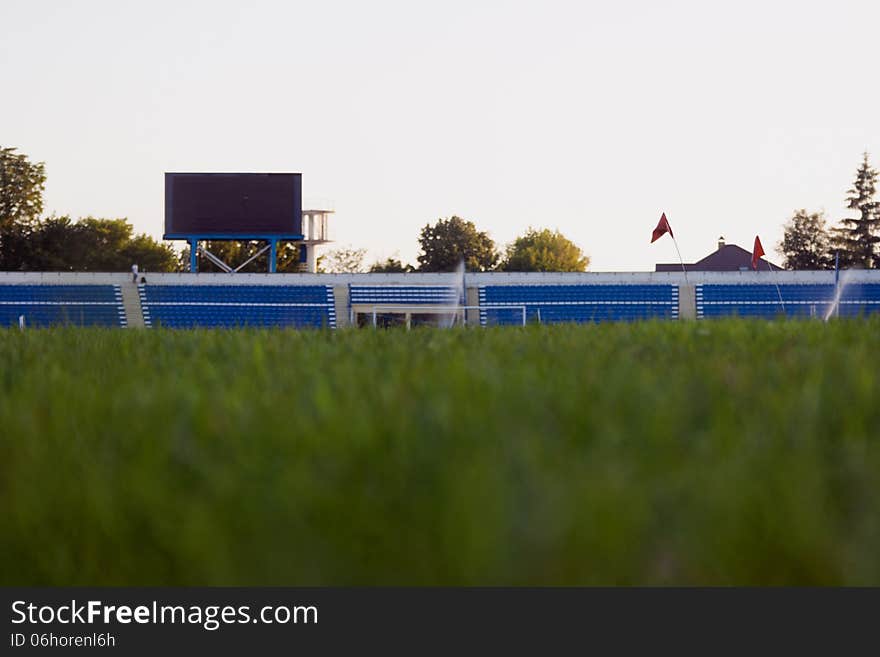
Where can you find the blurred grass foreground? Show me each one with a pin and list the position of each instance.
(730, 452)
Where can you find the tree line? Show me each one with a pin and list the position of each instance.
(29, 242)
(451, 241)
(808, 243)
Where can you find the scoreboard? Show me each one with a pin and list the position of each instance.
(233, 205)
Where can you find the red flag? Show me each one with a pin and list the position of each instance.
(662, 227)
(757, 252)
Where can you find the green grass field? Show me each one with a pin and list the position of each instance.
(656, 453)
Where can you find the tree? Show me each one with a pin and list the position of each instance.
(449, 241)
(390, 266)
(16, 247)
(28, 243)
(806, 243)
(237, 252)
(543, 250)
(344, 260)
(21, 188)
(856, 238)
(149, 255)
(60, 244)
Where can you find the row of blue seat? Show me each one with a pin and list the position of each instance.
(60, 314)
(860, 292)
(796, 300)
(775, 310)
(240, 316)
(577, 303)
(237, 293)
(727, 293)
(568, 293)
(79, 293)
(404, 294)
(48, 305)
(576, 313)
(810, 293)
(228, 306)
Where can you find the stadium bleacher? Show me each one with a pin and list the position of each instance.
(230, 306)
(193, 303)
(859, 299)
(763, 301)
(404, 295)
(577, 303)
(50, 305)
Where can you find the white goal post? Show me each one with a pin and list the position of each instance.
(457, 311)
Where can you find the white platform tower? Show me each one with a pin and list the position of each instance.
(315, 230)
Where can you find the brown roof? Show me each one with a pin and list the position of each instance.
(728, 257)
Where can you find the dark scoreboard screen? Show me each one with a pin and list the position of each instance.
(233, 204)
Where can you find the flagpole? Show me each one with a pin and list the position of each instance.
(662, 228)
(757, 252)
(778, 291)
(680, 259)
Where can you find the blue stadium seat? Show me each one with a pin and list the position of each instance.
(405, 295)
(52, 305)
(577, 303)
(230, 306)
(799, 301)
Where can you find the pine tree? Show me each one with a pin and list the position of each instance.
(805, 242)
(856, 237)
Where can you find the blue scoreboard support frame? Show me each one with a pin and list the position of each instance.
(271, 247)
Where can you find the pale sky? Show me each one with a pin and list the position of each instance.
(589, 117)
